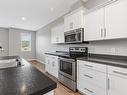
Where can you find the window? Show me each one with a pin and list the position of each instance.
(25, 41)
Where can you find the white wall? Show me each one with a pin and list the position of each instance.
(43, 41)
(15, 44)
(4, 41)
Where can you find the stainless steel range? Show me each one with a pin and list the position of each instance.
(68, 66)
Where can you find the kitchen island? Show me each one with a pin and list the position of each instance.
(25, 80)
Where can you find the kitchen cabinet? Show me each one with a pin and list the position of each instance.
(94, 24)
(116, 20)
(57, 34)
(117, 81)
(52, 65)
(107, 23)
(100, 79)
(47, 63)
(91, 79)
(74, 20)
(50, 93)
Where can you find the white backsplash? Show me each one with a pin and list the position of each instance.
(112, 47)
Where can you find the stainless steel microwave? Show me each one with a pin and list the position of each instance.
(74, 36)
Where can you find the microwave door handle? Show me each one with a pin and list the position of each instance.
(76, 37)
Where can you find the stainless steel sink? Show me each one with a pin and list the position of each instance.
(9, 62)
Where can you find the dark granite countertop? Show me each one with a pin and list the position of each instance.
(119, 61)
(113, 60)
(24, 80)
(9, 57)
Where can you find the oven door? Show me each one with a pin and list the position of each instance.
(67, 67)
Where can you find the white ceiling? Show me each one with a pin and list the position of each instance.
(37, 13)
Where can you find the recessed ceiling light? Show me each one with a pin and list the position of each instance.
(84, 0)
(23, 18)
(52, 9)
(112, 0)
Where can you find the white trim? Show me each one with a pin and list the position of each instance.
(40, 61)
(76, 10)
(31, 59)
(50, 93)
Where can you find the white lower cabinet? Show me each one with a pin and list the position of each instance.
(91, 81)
(117, 85)
(97, 79)
(52, 65)
(89, 88)
(50, 93)
(117, 81)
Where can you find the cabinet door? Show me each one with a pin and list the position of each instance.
(74, 20)
(57, 33)
(60, 33)
(78, 19)
(117, 85)
(54, 38)
(68, 21)
(47, 63)
(116, 20)
(50, 93)
(94, 24)
(55, 66)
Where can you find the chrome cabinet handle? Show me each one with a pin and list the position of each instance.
(48, 61)
(108, 84)
(101, 32)
(105, 32)
(125, 74)
(88, 66)
(71, 25)
(57, 39)
(88, 76)
(89, 90)
(53, 64)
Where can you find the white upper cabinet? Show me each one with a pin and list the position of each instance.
(74, 20)
(116, 20)
(94, 24)
(57, 34)
(107, 23)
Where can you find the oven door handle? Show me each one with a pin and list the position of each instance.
(67, 60)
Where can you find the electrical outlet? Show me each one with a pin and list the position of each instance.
(113, 51)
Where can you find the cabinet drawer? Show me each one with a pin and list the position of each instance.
(55, 57)
(88, 88)
(117, 71)
(95, 77)
(92, 65)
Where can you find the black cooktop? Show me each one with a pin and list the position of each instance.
(67, 54)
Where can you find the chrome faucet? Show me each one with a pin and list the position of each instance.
(1, 49)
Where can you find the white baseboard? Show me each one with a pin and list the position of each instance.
(40, 61)
(31, 59)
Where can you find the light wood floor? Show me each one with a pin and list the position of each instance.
(60, 90)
